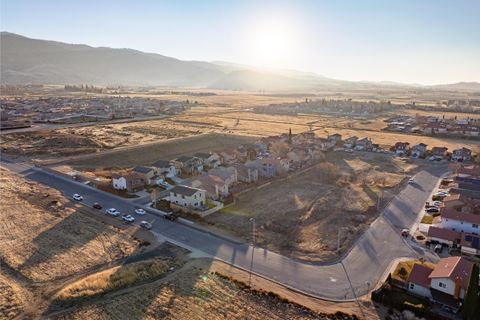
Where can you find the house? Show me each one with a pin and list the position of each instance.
(146, 173)
(458, 201)
(364, 144)
(444, 236)
(228, 157)
(461, 155)
(245, 173)
(132, 182)
(449, 281)
(470, 243)
(215, 187)
(419, 150)
(187, 197)
(119, 182)
(460, 221)
(165, 168)
(402, 148)
(472, 170)
(336, 137)
(267, 167)
(349, 143)
(439, 152)
(418, 281)
(326, 144)
(211, 160)
(435, 128)
(188, 164)
(228, 175)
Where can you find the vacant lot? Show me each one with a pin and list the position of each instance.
(90, 139)
(193, 293)
(13, 298)
(43, 240)
(148, 154)
(301, 215)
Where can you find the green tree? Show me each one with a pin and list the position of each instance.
(471, 309)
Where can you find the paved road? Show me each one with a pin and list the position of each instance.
(360, 270)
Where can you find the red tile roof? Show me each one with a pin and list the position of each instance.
(419, 275)
(453, 268)
(442, 233)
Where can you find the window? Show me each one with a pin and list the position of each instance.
(442, 285)
(183, 197)
(475, 225)
(412, 286)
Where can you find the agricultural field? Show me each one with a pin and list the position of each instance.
(301, 215)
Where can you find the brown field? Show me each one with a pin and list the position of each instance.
(147, 154)
(43, 239)
(13, 298)
(300, 215)
(193, 292)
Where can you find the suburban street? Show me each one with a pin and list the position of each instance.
(354, 276)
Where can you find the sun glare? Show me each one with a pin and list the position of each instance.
(271, 41)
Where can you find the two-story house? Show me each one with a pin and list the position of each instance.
(187, 197)
(439, 152)
(419, 150)
(165, 168)
(402, 148)
(146, 173)
(460, 221)
(461, 155)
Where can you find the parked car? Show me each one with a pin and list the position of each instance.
(77, 197)
(432, 210)
(438, 248)
(113, 212)
(145, 224)
(128, 218)
(405, 232)
(411, 181)
(437, 203)
(165, 185)
(140, 211)
(97, 205)
(170, 216)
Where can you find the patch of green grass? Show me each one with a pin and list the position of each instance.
(427, 219)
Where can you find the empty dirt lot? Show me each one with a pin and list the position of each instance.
(301, 215)
(193, 292)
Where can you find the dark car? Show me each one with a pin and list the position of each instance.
(432, 210)
(97, 205)
(170, 216)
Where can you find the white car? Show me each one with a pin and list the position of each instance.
(437, 203)
(77, 197)
(128, 218)
(113, 212)
(411, 181)
(145, 224)
(140, 211)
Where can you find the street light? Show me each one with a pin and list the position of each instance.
(253, 251)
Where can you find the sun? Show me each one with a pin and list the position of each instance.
(271, 41)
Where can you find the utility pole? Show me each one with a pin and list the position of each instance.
(338, 239)
(253, 251)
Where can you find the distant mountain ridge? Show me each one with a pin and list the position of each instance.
(25, 60)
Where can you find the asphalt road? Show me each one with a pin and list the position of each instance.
(355, 275)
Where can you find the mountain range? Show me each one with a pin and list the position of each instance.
(32, 61)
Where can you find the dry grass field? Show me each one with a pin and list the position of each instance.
(300, 215)
(147, 154)
(43, 239)
(193, 293)
(13, 298)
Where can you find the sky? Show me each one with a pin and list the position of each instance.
(410, 41)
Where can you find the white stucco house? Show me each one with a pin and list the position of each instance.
(187, 197)
(119, 182)
(460, 221)
(418, 281)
